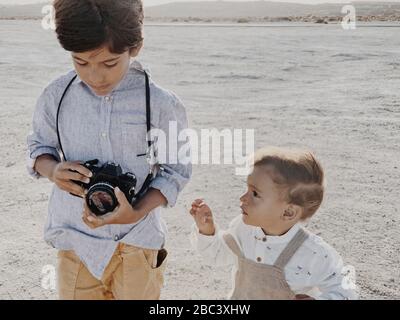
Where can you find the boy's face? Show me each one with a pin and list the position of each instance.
(100, 69)
(263, 205)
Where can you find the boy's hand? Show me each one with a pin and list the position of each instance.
(123, 214)
(62, 175)
(203, 217)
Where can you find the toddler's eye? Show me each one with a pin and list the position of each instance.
(255, 193)
(81, 64)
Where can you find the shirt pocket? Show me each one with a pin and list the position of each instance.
(134, 143)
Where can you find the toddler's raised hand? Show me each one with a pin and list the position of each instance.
(202, 215)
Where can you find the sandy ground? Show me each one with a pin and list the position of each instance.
(321, 87)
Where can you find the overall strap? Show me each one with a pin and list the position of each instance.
(232, 244)
(291, 249)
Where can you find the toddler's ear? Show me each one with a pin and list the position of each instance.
(292, 212)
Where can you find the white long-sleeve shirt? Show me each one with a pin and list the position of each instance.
(316, 269)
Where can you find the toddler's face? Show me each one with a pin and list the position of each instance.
(100, 69)
(262, 205)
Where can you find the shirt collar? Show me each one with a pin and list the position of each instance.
(78, 79)
(132, 78)
(285, 238)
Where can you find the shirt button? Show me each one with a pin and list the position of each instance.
(264, 239)
(104, 134)
(107, 98)
(258, 259)
(116, 238)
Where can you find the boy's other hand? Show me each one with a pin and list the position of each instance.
(62, 175)
(123, 214)
(202, 215)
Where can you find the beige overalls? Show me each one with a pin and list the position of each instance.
(257, 281)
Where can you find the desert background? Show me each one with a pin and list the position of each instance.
(296, 82)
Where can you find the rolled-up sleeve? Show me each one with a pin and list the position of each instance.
(43, 137)
(176, 171)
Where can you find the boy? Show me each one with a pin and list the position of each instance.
(103, 114)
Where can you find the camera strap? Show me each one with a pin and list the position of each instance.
(150, 149)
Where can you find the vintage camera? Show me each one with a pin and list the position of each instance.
(100, 196)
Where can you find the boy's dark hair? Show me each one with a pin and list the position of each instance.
(83, 25)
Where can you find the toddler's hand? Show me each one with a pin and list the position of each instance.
(202, 215)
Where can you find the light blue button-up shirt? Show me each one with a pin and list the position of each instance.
(112, 129)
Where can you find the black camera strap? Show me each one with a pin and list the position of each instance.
(148, 114)
(58, 116)
(149, 177)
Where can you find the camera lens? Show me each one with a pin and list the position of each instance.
(101, 198)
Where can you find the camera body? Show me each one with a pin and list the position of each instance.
(100, 197)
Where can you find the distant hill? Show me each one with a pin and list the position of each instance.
(230, 10)
(258, 9)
